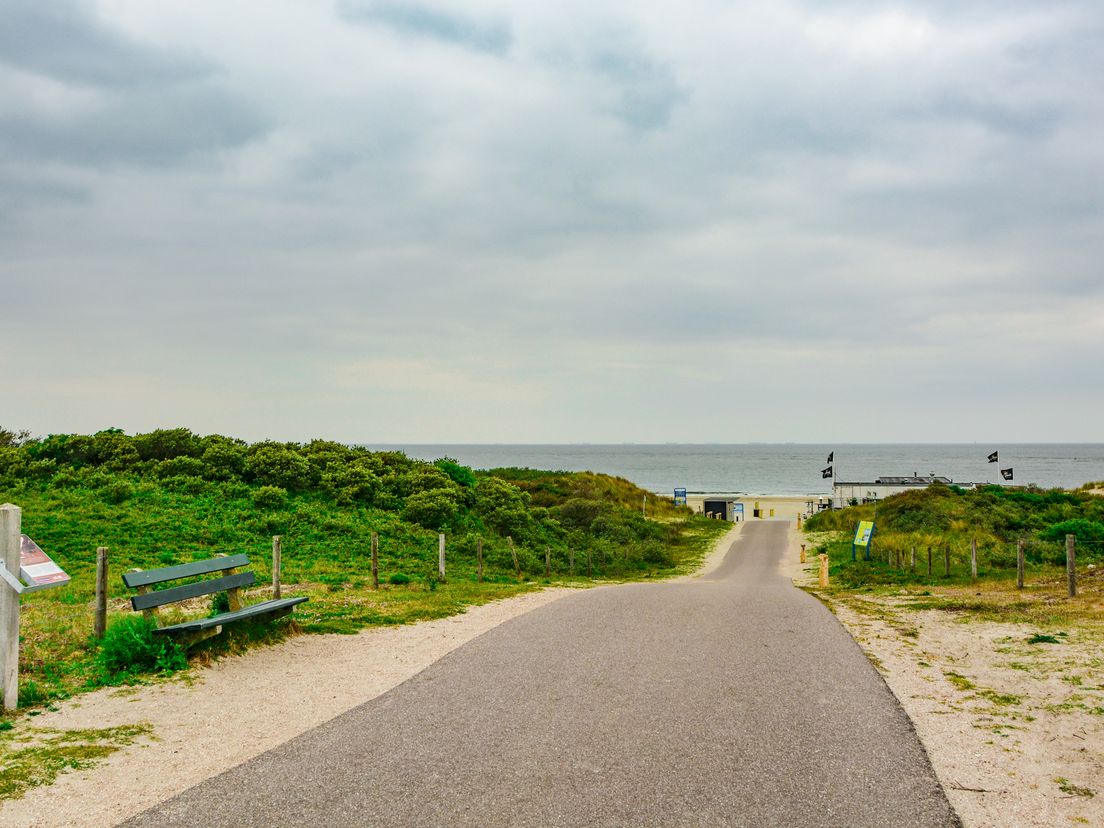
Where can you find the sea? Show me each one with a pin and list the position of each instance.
(786, 468)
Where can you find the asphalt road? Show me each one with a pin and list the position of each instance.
(732, 700)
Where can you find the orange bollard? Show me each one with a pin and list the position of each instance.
(823, 570)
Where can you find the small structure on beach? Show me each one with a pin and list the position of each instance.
(844, 494)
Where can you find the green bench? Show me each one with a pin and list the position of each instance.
(230, 581)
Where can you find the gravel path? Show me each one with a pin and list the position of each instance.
(734, 699)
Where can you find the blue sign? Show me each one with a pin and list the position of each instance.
(680, 497)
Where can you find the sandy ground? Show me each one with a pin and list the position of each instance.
(244, 705)
(1010, 721)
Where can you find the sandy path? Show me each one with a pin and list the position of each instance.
(244, 705)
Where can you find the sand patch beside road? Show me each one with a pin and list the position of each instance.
(1014, 730)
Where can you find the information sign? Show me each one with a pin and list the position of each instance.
(35, 567)
(864, 536)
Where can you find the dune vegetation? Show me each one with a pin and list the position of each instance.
(171, 496)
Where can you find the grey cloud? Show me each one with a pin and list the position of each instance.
(648, 89)
(62, 40)
(415, 19)
(156, 126)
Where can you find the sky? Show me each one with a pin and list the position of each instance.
(498, 222)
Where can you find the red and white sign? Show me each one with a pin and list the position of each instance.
(35, 566)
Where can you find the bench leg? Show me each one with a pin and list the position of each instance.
(190, 639)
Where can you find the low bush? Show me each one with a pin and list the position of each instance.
(129, 646)
(270, 497)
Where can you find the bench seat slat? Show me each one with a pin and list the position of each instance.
(148, 577)
(160, 597)
(262, 608)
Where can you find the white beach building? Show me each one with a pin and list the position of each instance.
(844, 494)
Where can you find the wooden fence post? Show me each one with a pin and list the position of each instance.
(803, 553)
(479, 557)
(100, 624)
(947, 560)
(823, 570)
(513, 554)
(912, 558)
(548, 562)
(1071, 564)
(375, 560)
(973, 559)
(11, 521)
(1020, 563)
(277, 566)
(441, 556)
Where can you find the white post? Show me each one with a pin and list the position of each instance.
(441, 555)
(11, 518)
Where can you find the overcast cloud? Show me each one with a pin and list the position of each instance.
(541, 222)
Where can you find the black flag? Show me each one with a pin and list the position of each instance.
(1006, 473)
(831, 454)
(826, 472)
(993, 457)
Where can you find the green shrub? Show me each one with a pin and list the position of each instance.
(398, 579)
(274, 464)
(461, 475)
(179, 467)
(270, 497)
(1086, 531)
(117, 492)
(223, 458)
(434, 509)
(129, 645)
(166, 443)
(220, 603)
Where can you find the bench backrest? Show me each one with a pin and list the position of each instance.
(147, 599)
(149, 577)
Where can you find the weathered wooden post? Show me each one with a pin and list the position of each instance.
(375, 560)
(912, 558)
(277, 564)
(441, 556)
(803, 553)
(479, 557)
(973, 559)
(1020, 563)
(823, 570)
(11, 519)
(548, 562)
(100, 624)
(513, 554)
(1071, 564)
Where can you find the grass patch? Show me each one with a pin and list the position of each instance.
(30, 757)
(959, 681)
(1067, 787)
